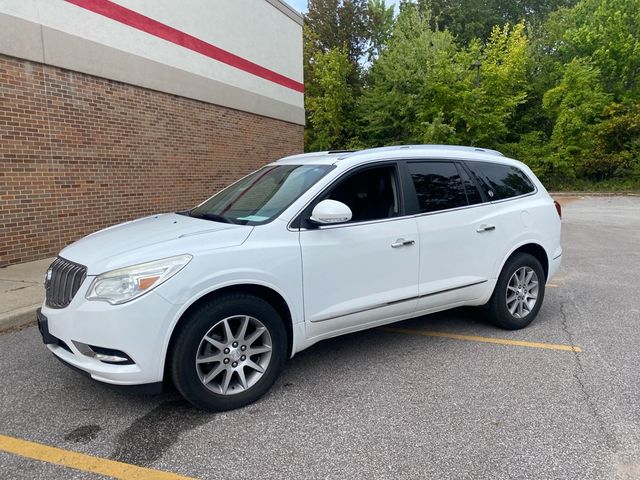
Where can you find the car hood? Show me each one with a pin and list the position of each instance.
(152, 238)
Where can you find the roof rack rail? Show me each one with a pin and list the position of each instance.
(341, 151)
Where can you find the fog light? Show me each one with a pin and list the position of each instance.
(110, 358)
(105, 355)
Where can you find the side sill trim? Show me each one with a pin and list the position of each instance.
(402, 300)
(452, 289)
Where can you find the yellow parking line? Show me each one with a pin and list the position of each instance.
(80, 461)
(474, 338)
(552, 285)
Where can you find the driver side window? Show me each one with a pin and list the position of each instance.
(371, 194)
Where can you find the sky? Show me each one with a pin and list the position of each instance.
(301, 5)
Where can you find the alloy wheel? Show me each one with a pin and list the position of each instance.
(233, 355)
(522, 292)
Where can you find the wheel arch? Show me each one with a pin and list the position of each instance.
(271, 296)
(534, 249)
(495, 305)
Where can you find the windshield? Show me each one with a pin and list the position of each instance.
(261, 196)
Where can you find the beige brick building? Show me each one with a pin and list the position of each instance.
(110, 110)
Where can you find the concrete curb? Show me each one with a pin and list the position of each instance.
(21, 293)
(18, 317)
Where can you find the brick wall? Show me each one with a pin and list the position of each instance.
(78, 153)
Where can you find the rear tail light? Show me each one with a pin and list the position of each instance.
(558, 208)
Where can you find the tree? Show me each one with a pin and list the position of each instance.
(607, 32)
(330, 109)
(576, 104)
(616, 151)
(469, 19)
(332, 28)
(486, 107)
(544, 70)
(340, 24)
(559, 90)
(398, 99)
(423, 89)
(380, 23)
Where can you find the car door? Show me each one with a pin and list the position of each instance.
(513, 219)
(457, 238)
(366, 270)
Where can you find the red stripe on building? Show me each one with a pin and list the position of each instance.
(141, 22)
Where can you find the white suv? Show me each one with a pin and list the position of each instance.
(306, 248)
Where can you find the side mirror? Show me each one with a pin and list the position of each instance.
(329, 212)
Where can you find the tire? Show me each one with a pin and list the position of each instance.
(200, 366)
(512, 307)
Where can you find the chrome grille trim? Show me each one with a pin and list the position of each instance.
(63, 282)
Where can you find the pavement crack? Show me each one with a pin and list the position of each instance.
(579, 373)
(19, 288)
(16, 280)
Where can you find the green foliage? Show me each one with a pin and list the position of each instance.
(403, 82)
(616, 152)
(607, 32)
(333, 30)
(423, 89)
(329, 111)
(474, 19)
(380, 22)
(338, 24)
(554, 83)
(534, 149)
(576, 104)
(487, 105)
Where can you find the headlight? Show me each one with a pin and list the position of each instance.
(125, 284)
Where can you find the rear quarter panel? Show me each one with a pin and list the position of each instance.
(528, 219)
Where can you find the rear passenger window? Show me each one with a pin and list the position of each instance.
(473, 194)
(438, 186)
(502, 181)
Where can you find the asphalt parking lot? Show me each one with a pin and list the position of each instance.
(385, 403)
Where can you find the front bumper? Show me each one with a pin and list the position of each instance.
(139, 328)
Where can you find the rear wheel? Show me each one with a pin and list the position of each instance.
(519, 292)
(229, 353)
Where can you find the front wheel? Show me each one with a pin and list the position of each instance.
(518, 294)
(229, 352)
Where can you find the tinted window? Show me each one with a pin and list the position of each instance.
(371, 194)
(473, 194)
(504, 181)
(438, 186)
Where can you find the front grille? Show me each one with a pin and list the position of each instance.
(63, 281)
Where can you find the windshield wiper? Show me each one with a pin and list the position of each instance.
(214, 217)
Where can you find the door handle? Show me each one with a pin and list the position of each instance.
(401, 242)
(485, 228)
